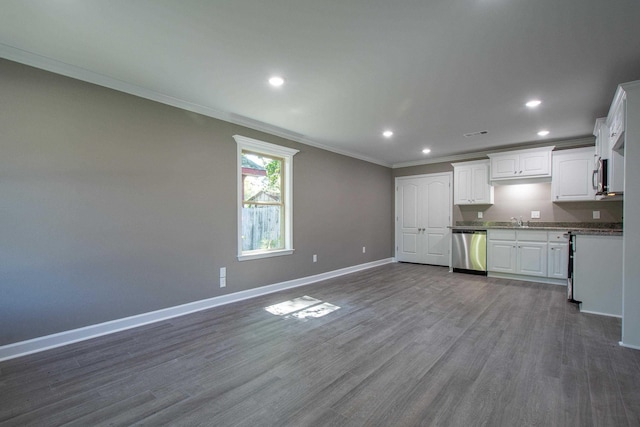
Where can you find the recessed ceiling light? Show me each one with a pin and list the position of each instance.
(426, 151)
(543, 133)
(533, 103)
(387, 134)
(276, 81)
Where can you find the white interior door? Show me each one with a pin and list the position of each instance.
(408, 234)
(423, 214)
(436, 203)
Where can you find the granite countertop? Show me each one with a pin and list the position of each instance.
(591, 228)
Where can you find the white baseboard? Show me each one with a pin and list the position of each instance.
(635, 347)
(47, 342)
(534, 279)
(600, 314)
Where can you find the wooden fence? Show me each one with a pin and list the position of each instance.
(261, 228)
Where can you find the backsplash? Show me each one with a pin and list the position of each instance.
(520, 200)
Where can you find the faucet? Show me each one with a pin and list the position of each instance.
(517, 221)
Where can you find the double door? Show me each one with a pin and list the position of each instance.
(528, 258)
(517, 252)
(423, 215)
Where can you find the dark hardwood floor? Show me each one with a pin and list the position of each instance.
(410, 345)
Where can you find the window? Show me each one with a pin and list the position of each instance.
(264, 199)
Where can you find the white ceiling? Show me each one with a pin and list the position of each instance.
(430, 70)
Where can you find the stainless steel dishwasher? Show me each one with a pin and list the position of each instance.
(469, 251)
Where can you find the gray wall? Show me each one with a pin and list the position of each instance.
(520, 200)
(631, 245)
(112, 205)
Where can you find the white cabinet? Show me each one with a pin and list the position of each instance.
(501, 256)
(532, 259)
(532, 253)
(558, 261)
(613, 154)
(616, 124)
(573, 175)
(471, 184)
(518, 252)
(530, 163)
(558, 255)
(535, 255)
(610, 136)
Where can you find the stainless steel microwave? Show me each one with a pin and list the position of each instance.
(599, 178)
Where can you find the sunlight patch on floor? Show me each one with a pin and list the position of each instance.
(315, 311)
(302, 308)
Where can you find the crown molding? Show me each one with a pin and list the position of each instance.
(44, 63)
(82, 74)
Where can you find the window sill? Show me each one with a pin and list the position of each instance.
(266, 254)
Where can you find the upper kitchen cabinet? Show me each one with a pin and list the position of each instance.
(573, 172)
(516, 165)
(610, 137)
(471, 184)
(615, 121)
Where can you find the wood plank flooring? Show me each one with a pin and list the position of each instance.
(411, 345)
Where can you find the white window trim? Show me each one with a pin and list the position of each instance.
(286, 154)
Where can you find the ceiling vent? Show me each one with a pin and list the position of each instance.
(470, 134)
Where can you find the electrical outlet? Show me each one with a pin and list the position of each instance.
(596, 214)
(364, 250)
(535, 214)
(315, 258)
(223, 282)
(479, 215)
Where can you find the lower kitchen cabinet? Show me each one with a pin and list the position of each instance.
(501, 256)
(558, 260)
(532, 259)
(535, 255)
